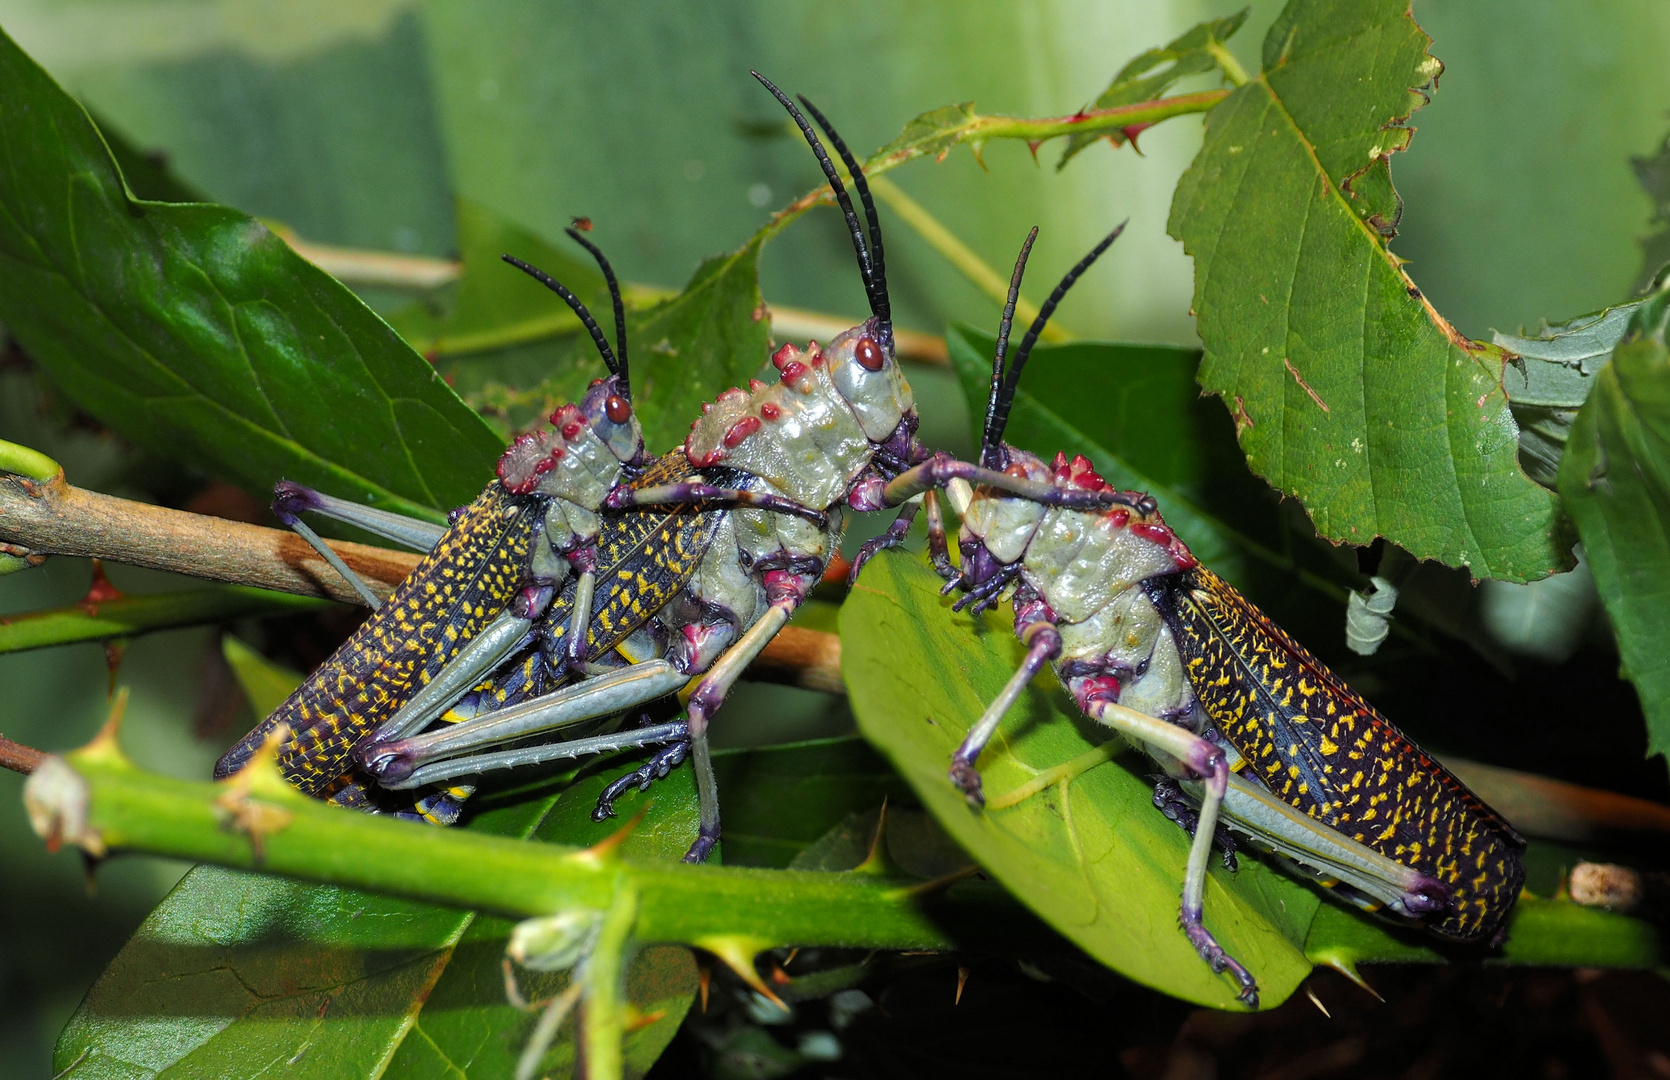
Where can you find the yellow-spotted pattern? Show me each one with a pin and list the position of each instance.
(1330, 754)
(645, 557)
(448, 598)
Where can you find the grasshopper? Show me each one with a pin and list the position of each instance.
(1252, 729)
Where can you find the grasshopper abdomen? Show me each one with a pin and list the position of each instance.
(1325, 751)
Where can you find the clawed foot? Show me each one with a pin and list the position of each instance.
(868, 550)
(967, 779)
(1211, 952)
(660, 763)
(702, 848)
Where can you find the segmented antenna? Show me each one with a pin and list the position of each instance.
(879, 303)
(991, 439)
(622, 372)
(998, 416)
(615, 367)
(841, 198)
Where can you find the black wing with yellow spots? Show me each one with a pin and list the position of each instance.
(450, 596)
(1328, 753)
(645, 557)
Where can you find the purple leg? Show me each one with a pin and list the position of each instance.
(1216, 773)
(942, 468)
(1043, 645)
(892, 538)
(939, 552)
(622, 498)
(660, 763)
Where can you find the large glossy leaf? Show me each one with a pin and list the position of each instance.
(1349, 390)
(1615, 478)
(1091, 855)
(196, 332)
(236, 974)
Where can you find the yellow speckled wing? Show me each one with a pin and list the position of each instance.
(1330, 754)
(455, 592)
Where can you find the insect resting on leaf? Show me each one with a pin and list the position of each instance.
(1252, 730)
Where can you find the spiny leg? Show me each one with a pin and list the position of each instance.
(892, 538)
(542, 753)
(1208, 762)
(290, 500)
(456, 750)
(1043, 644)
(939, 550)
(584, 562)
(785, 590)
(941, 469)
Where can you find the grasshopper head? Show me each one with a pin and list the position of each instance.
(867, 376)
(607, 410)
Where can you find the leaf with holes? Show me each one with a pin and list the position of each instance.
(1349, 391)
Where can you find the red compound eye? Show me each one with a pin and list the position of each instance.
(617, 409)
(868, 353)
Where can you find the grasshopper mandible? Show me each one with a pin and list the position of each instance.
(1255, 732)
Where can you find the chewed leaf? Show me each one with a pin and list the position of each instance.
(1090, 855)
(1350, 392)
(196, 332)
(1156, 71)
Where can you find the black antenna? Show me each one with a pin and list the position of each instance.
(991, 438)
(879, 303)
(579, 309)
(621, 372)
(999, 415)
(835, 185)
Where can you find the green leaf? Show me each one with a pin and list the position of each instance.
(712, 335)
(1091, 856)
(1541, 932)
(236, 973)
(496, 304)
(777, 800)
(1615, 479)
(1156, 71)
(1549, 379)
(263, 682)
(196, 332)
(1349, 391)
(933, 133)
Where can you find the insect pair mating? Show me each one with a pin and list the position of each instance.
(589, 581)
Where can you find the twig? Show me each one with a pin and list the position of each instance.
(17, 757)
(54, 518)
